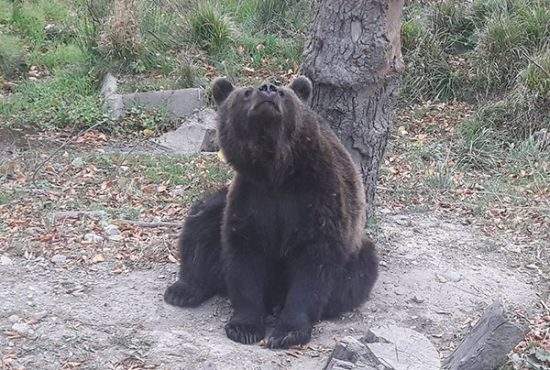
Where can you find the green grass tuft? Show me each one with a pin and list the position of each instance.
(453, 21)
(61, 56)
(29, 20)
(211, 30)
(536, 76)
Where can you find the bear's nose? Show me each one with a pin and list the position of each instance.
(268, 89)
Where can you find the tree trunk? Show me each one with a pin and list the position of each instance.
(353, 58)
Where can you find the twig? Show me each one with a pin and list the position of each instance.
(146, 224)
(68, 141)
(78, 214)
(536, 64)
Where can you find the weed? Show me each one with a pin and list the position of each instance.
(148, 120)
(429, 75)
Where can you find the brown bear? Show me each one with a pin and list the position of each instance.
(286, 237)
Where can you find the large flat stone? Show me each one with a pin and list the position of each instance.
(386, 347)
(177, 103)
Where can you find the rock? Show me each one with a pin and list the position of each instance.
(52, 30)
(5, 261)
(112, 102)
(113, 233)
(38, 316)
(178, 191)
(441, 278)
(348, 349)
(109, 85)
(177, 103)
(93, 238)
(453, 276)
(542, 138)
(77, 162)
(417, 299)
(98, 258)
(210, 141)
(22, 328)
(335, 364)
(488, 343)
(14, 319)
(385, 347)
(59, 259)
(190, 137)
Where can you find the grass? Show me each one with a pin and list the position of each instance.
(67, 99)
(169, 44)
(60, 57)
(192, 175)
(210, 29)
(491, 53)
(12, 56)
(457, 50)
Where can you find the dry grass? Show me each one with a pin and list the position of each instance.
(121, 36)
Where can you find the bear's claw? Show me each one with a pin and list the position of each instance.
(245, 333)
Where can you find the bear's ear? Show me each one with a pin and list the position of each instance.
(221, 88)
(302, 87)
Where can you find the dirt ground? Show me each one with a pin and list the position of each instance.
(437, 275)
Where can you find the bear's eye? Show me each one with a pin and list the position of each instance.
(281, 93)
(247, 93)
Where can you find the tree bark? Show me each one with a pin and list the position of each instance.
(353, 57)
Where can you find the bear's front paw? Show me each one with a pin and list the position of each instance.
(246, 333)
(287, 337)
(183, 294)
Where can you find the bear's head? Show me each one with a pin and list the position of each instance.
(258, 127)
